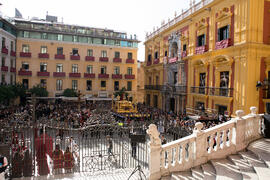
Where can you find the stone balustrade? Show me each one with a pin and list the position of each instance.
(203, 145)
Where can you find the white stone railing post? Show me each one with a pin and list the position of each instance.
(155, 150)
(256, 122)
(240, 129)
(200, 144)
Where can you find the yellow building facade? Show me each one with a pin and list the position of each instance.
(97, 62)
(224, 47)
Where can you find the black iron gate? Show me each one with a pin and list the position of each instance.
(97, 149)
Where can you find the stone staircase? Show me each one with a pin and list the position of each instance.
(254, 163)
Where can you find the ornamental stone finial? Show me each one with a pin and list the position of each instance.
(253, 110)
(239, 113)
(198, 127)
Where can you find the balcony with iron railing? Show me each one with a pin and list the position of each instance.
(89, 58)
(117, 60)
(199, 90)
(4, 50)
(25, 54)
(89, 75)
(176, 89)
(43, 55)
(130, 61)
(59, 56)
(221, 91)
(4, 68)
(153, 87)
(223, 44)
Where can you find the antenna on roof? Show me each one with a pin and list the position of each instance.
(47, 13)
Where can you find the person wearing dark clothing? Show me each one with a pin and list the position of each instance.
(133, 148)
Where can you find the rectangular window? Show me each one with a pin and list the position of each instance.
(3, 61)
(60, 51)
(89, 69)
(103, 70)
(74, 68)
(43, 49)
(129, 70)
(117, 42)
(184, 47)
(25, 66)
(156, 55)
(90, 40)
(59, 84)
(12, 63)
(103, 53)
(103, 84)
(3, 42)
(60, 37)
(59, 67)
(74, 84)
(75, 38)
(90, 52)
(3, 78)
(43, 83)
(25, 83)
(116, 85)
(26, 34)
(12, 46)
(223, 33)
(25, 48)
(117, 54)
(129, 55)
(43, 67)
(89, 85)
(44, 36)
(224, 79)
(75, 52)
(129, 86)
(201, 40)
(11, 79)
(116, 70)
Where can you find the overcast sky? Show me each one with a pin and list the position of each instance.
(131, 16)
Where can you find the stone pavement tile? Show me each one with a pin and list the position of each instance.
(208, 171)
(226, 170)
(245, 168)
(262, 149)
(259, 166)
(184, 175)
(197, 173)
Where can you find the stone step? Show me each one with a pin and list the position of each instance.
(197, 173)
(245, 168)
(184, 175)
(262, 149)
(226, 170)
(209, 172)
(259, 166)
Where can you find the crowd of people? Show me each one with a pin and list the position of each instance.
(73, 115)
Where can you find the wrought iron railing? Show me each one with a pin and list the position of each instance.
(226, 92)
(153, 87)
(175, 89)
(199, 90)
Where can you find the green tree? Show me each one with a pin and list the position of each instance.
(6, 94)
(70, 93)
(39, 91)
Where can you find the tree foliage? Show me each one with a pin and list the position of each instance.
(10, 92)
(39, 91)
(70, 93)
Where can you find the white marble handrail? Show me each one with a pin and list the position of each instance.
(203, 145)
